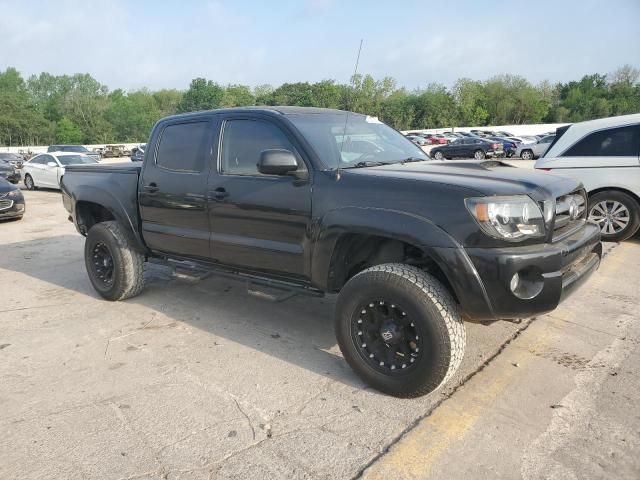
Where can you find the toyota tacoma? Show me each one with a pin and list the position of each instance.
(321, 201)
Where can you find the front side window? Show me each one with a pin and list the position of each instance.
(337, 139)
(244, 140)
(183, 147)
(614, 142)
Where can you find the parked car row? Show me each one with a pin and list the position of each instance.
(526, 147)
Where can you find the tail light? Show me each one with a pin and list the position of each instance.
(494, 146)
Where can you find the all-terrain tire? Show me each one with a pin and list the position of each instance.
(428, 305)
(127, 278)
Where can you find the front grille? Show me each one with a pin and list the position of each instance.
(570, 215)
(5, 204)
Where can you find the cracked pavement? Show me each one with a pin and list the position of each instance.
(190, 380)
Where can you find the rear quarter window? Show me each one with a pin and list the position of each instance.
(613, 142)
(183, 147)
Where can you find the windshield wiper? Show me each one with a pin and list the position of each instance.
(413, 159)
(368, 164)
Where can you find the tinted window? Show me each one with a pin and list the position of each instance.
(547, 139)
(242, 142)
(614, 142)
(183, 147)
(40, 160)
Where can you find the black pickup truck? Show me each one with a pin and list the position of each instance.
(323, 201)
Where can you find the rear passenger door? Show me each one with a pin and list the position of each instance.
(258, 221)
(172, 193)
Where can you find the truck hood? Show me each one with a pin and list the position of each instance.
(484, 177)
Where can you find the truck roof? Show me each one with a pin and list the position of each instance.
(282, 110)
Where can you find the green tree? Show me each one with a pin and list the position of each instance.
(68, 132)
(435, 107)
(299, 94)
(329, 94)
(237, 96)
(398, 110)
(167, 101)
(471, 100)
(203, 94)
(263, 94)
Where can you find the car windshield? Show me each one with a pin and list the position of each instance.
(75, 160)
(365, 139)
(75, 148)
(10, 156)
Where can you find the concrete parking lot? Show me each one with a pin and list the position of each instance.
(198, 380)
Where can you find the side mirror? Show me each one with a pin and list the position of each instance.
(52, 164)
(277, 162)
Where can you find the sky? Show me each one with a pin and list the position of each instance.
(157, 44)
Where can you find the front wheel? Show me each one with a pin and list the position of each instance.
(438, 155)
(28, 182)
(526, 155)
(399, 329)
(115, 268)
(617, 214)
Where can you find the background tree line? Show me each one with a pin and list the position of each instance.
(45, 108)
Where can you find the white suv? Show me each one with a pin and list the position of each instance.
(604, 155)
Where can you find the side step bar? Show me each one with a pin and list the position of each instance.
(284, 290)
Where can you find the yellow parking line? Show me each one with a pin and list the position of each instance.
(417, 452)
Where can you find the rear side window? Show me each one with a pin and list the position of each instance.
(183, 147)
(614, 142)
(242, 142)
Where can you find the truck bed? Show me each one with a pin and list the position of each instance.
(113, 186)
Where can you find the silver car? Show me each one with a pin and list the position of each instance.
(529, 151)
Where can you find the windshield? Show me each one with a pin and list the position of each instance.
(75, 160)
(10, 156)
(366, 140)
(75, 148)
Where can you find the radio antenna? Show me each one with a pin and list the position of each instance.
(346, 118)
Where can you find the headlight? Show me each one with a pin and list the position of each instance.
(514, 218)
(14, 194)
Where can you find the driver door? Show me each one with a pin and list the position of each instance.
(258, 221)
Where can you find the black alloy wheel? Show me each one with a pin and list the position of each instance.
(102, 263)
(385, 337)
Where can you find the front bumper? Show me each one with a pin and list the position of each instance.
(561, 267)
(14, 210)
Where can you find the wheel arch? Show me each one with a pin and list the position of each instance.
(92, 205)
(351, 239)
(615, 189)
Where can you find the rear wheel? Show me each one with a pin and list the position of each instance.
(479, 154)
(617, 214)
(399, 329)
(115, 269)
(527, 155)
(28, 182)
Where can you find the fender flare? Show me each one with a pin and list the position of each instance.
(394, 224)
(112, 202)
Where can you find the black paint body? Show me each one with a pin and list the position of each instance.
(288, 227)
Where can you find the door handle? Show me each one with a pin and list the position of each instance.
(151, 188)
(220, 193)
